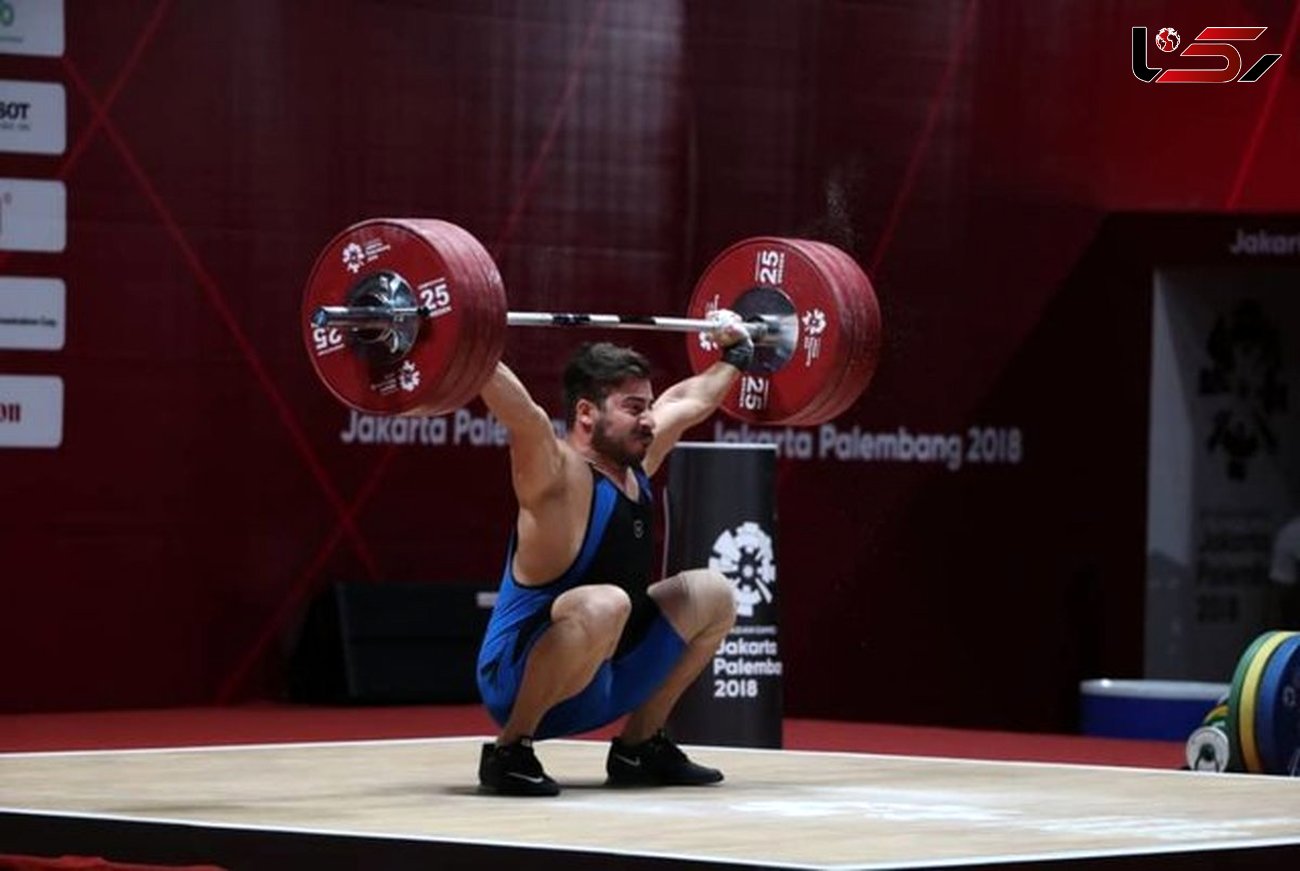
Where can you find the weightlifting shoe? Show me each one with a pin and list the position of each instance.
(656, 761)
(513, 770)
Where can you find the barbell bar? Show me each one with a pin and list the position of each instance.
(408, 316)
(766, 328)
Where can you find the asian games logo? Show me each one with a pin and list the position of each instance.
(746, 557)
(1242, 389)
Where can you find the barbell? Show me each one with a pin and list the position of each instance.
(408, 316)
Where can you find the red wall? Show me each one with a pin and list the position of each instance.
(966, 153)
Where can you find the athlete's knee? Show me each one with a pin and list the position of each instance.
(600, 609)
(715, 599)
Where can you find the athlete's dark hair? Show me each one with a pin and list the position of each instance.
(595, 369)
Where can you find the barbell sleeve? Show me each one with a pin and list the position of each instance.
(385, 317)
(364, 317)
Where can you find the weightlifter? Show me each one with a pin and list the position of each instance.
(581, 633)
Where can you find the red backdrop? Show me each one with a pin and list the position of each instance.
(966, 153)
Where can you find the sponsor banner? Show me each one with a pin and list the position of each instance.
(33, 117)
(32, 314)
(1264, 243)
(461, 428)
(31, 411)
(974, 447)
(720, 507)
(33, 215)
(31, 27)
(1224, 462)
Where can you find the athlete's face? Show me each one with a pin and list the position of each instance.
(623, 427)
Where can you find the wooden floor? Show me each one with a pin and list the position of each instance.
(404, 803)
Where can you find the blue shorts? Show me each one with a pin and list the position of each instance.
(620, 686)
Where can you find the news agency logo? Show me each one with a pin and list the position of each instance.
(1212, 42)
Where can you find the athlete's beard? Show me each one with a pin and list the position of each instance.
(626, 453)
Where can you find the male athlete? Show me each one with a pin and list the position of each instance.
(581, 633)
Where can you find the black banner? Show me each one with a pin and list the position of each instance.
(721, 514)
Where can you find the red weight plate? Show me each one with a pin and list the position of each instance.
(805, 380)
(351, 257)
(861, 359)
(851, 312)
(482, 297)
(435, 295)
(426, 255)
(854, 286)
(862, 324)
(871, 329)
(490, 314)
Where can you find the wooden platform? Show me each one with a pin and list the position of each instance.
(414, 803)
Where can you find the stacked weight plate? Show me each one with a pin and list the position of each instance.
(449, 273)
(1263, 720)
(837, 318)
(862, 351)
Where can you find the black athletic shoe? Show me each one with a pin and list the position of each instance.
(657, 761)
(514, 770)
